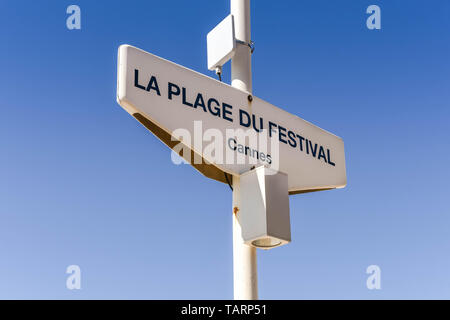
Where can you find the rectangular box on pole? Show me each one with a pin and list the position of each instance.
(264, 212)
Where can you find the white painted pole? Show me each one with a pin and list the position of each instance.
(244, 257)
(241, 64)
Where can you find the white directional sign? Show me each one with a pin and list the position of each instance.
(168, 98)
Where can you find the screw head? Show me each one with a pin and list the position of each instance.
(250, 98)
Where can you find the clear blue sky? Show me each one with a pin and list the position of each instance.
(84, 183)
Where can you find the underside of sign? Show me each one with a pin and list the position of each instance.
(207, 169)
(168, 99)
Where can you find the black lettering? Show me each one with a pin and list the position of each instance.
(280, 134)
(253, 153)
(260, 123)
(313, 151)
(241, 113)
(322, 154)
(329, 158)
(262, 156)
(199, 102)
(235, 142)
(271, 124)
(153, 84)
(300, 138)
(216, 111)
(226, 112)
(291, 140)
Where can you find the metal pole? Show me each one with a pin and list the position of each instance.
(244, 257)
(241, 64)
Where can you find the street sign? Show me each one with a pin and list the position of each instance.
(166, 97)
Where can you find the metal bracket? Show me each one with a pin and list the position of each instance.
(250, 44)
